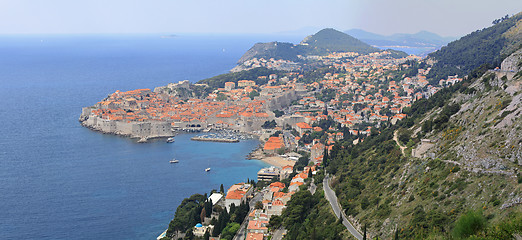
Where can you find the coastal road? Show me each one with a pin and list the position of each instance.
(332, 198)
(278, 234)
(241, 233)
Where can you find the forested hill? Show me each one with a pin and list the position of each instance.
(487, 46)
(323, 42)
(330, 40)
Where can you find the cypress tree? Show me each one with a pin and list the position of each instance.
(221, 189)
(364, 232)
(207, 235)
(325, 157)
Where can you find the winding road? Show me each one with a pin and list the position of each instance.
(398, 143)
(332, 198)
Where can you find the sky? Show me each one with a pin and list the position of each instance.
(444, 17)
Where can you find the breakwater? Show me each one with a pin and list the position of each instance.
(211, 139)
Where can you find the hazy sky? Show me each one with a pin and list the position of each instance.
(444, 17)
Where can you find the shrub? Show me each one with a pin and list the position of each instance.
(469, 224)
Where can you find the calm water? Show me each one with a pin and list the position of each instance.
(59, 180)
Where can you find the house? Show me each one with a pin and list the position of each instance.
(229, 86)
(273, 144)
(275, 207)
(255, 236)
(237, 194)
(302, 127)
(257, 226)
(199, 230)
(246, 83)
(216, 198)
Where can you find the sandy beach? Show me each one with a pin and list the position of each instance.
(273, 160)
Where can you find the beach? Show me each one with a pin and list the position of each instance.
(271, 160)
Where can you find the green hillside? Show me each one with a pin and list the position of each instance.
(323, 42)
(467, 184)
(487, 46)
(330, 40)
(452, 168)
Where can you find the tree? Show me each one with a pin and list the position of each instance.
(208, 208)
(221, 189)
(275, 221)
(278, 113)
(253, 94)
(364, 232)
(325, 157)
(207, 235)
(202, 215)
(221, 97)
(189, 235)
(269, 124)
(230, 230)
(259, 205)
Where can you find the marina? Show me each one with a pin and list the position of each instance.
(222, 136)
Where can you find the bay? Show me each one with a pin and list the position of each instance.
(59, 180)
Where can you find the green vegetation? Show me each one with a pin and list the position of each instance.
(252, 74)
(308, 216)
(425, 198)
(469, 224)
(276, 50)
(187, 214)
(323, 42)
(196, 208)
(486, 46)
(269, 124)
(331, 40)
(278, 113)
(253, 94)
(230, 230)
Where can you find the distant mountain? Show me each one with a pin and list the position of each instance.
(323, 42)
(423, 41)
(330, 40)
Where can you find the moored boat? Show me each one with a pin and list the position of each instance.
(170, 139)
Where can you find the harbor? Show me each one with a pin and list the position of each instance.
(222, 136)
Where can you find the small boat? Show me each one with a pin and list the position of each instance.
(174, 161)
(207, 169)
(170, 139)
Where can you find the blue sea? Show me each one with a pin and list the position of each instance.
(59, 180)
